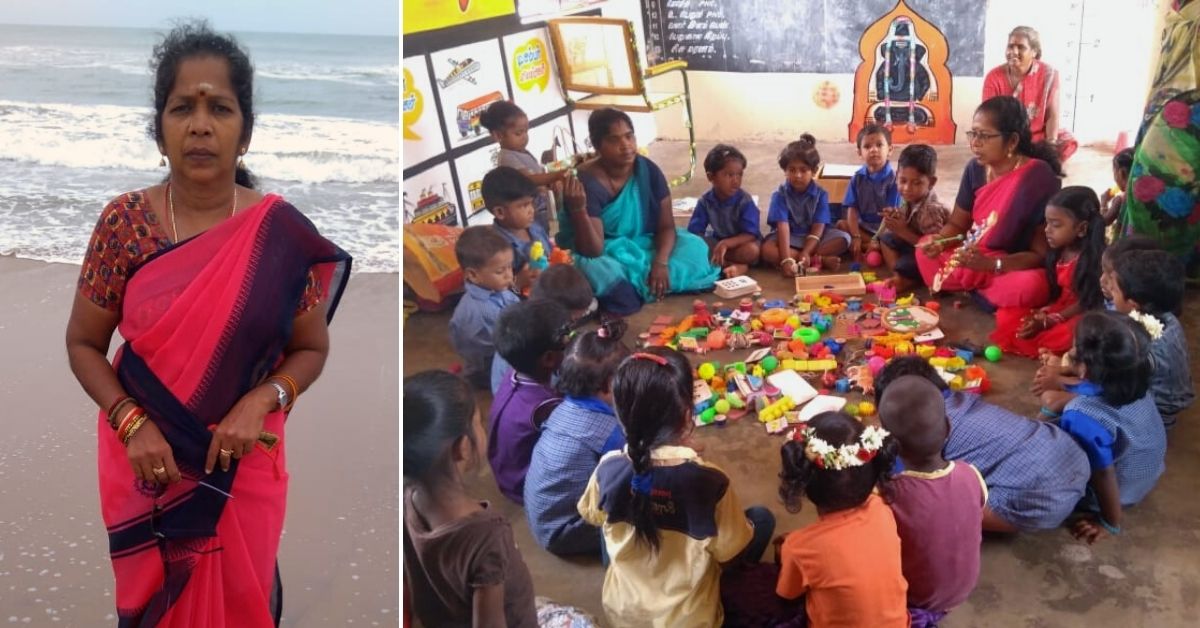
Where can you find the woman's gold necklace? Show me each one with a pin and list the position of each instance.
(171, 210)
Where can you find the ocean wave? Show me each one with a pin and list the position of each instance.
(371, 75)
(305, 149)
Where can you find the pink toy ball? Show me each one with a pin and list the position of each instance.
(876, 364)
(874, 259)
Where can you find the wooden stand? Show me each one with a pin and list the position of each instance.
(850, 284)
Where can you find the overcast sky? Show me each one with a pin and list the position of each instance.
(350, 17)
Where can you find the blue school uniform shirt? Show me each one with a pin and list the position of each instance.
(801, 210)
(1171, 382)
(471, 329)
(1130, 438)
(573, 439)
(870, 193)
(724, 219)
(521, 248)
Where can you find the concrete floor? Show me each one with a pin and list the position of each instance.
(1147, 577)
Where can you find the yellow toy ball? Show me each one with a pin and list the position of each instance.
(866, 408)
(706, 371)
(722, 406)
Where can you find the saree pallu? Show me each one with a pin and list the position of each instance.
(1019, 197)
(1057, 339)
(204, 322)
(619, 275)
(1163, 197)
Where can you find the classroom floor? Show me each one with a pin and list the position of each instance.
(1146, 577)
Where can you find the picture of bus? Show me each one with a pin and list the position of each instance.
(468, 113)
(475, 196)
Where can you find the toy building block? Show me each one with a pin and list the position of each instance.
(777, 426)
(702, 396)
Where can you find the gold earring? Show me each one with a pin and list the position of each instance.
(241, 163)
(162, 161)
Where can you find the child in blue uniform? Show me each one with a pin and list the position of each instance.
(726, 217)
(799, 213)
(872, 189)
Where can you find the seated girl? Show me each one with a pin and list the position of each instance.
(799, 214)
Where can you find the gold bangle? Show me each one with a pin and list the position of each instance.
(291, 384)
(137, 425)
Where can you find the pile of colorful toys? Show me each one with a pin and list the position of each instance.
(831, 344)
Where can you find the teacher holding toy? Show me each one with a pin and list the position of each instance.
(993, 244)
(624, 238)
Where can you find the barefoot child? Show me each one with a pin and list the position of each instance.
(919, 214)
(1075, 234)
(509, 196)
(486, 260)
(581, 429)
(871, 190)
(799, 214)
(509, 126)
(669, 519)
(460, 560)
(1112, 416)
(938, 504)
(531, 335)
(726, 217)
(847, 564)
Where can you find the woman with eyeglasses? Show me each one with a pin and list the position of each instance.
(993, 244)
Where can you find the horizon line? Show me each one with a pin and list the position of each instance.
(167, 27)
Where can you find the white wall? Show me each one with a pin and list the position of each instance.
(1110, 71)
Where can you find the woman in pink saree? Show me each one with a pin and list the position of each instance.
(222, 296)
(999, 214)
(1035, 83)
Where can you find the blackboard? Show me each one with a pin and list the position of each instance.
(816, 36)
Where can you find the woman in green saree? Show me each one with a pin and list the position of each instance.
(624, 237)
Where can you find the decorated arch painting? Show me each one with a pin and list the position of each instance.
(903, 81)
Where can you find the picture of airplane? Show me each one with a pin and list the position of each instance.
(463, 71)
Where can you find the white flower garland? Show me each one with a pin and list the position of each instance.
(1153, 326)
(826, 456)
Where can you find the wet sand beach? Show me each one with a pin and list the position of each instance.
(339, 557)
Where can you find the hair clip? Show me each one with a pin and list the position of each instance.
(650, 356)
(602, 332)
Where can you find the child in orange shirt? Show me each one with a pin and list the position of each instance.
(847, 564)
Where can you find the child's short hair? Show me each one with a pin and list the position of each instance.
(919, 157)
(873, 128)
(907, 365)
(915, 413)
(803, 150)
(1123, 160)
(1115, 352)
(833, 490)
(1155, 279)
(1130, 243)
(499, 114)
(525, 331)
(503, 185)
(592, 359)
(477, 246)
(565, 284)
(720, 155)
(438, 410)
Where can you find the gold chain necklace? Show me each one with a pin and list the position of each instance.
(171, 209)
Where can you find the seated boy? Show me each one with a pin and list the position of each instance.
(920, 213)
(565, 284)
(531, 335)
(508, 195)
(486, 261)
(938, 504)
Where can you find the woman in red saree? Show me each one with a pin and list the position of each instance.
(1035, 83)
(222, 296)
(1003, 194)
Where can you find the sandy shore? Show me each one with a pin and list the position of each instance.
(339, 555)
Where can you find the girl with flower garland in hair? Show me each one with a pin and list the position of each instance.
(1074, 231)
(847, 564)
(1112, 416)
(669, 519)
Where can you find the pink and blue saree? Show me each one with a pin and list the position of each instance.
(204, 322)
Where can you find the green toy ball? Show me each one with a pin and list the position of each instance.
(708, 416)
(992, 353)
(770, 363)
(851, 409)
(707, 371)
(722, 406)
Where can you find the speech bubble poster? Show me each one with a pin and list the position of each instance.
(468, 78)
(530, 63)
(421, 128)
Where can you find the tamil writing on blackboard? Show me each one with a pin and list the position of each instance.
(694, 28)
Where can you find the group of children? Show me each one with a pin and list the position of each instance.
(593, 439)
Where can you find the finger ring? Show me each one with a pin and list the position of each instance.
(159, 470)
(226, 452)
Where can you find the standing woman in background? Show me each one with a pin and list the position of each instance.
(222, 295)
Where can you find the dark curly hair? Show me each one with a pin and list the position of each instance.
(192, 40)
(803, 150)
(828, 489)
(1008, 116)
(1153, 279)
(1115, 352)
(499, 114)
(720, 155)
(1083, 206)
(873, 128)
(592, 359)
